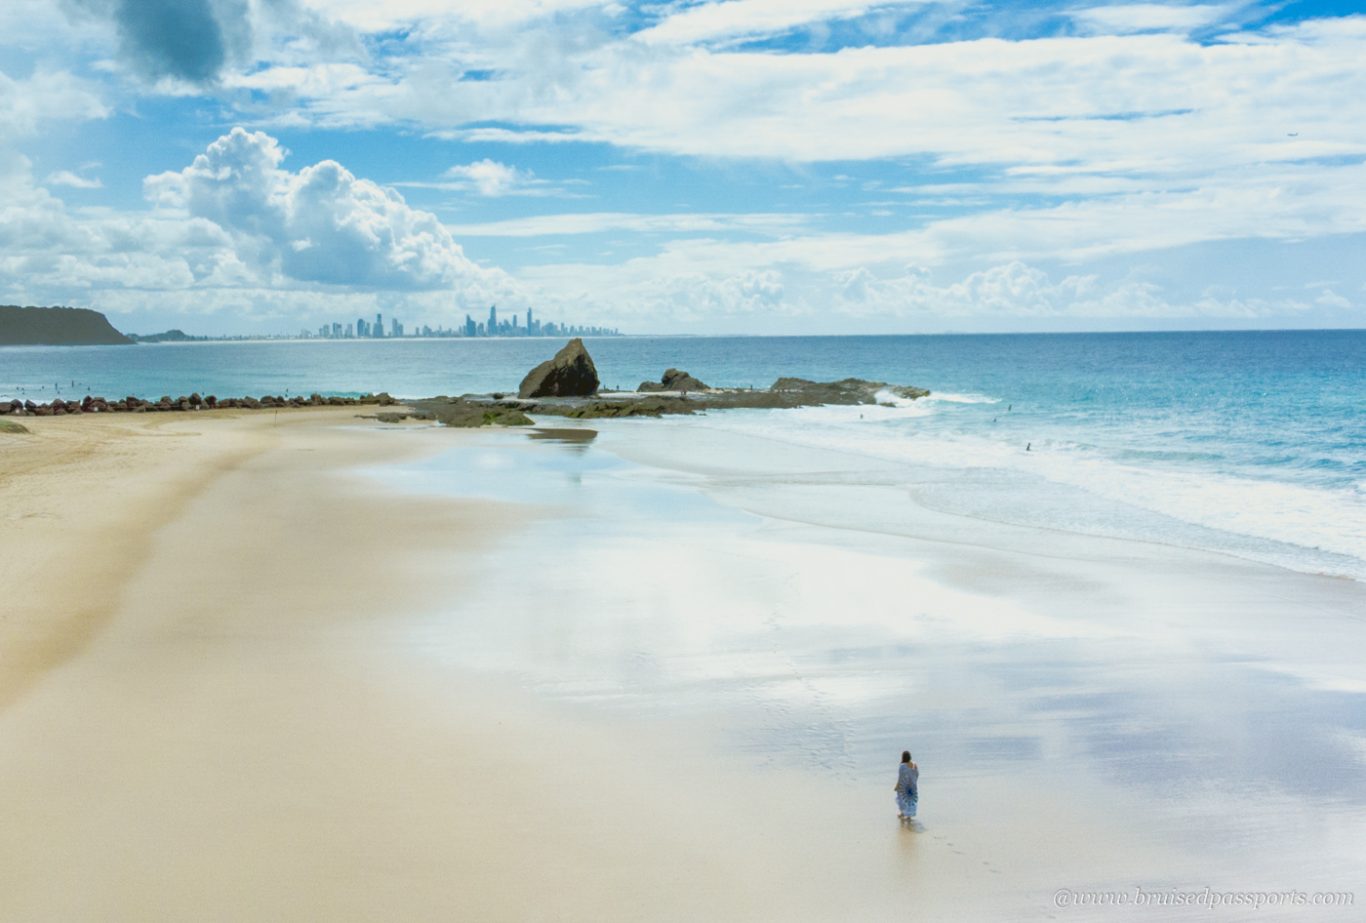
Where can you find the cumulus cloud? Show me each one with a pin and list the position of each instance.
(321, 224)
(489, 177)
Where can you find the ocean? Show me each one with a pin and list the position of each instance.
(1248, 443)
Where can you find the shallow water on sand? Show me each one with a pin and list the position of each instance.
(1087, 712)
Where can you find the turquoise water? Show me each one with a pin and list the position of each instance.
(1252, 443)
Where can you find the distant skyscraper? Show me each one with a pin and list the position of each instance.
(379, 325)
(493, 320)
(530, 323)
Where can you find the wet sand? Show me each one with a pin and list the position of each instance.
(306, 667)
(1089, 714)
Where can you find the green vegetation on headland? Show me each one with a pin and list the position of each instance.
(30, 326)
(168, 336)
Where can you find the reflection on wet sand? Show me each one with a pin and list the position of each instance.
(574, 437)
(1083, 710)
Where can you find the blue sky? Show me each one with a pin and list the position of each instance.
(756, 166)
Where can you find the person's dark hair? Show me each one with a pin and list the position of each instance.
(905, 756)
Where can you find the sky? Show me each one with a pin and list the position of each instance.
(695, 166)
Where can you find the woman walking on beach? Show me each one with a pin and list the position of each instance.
(907, 787)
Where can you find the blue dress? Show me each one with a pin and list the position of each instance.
(907, 789)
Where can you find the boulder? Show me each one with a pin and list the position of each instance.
(570, 374)
(673, 380)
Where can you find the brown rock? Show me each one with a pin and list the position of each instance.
(570, 374)
(673, 380)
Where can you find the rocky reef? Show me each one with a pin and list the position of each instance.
(673, 380)
(676, 392)
(194, 402)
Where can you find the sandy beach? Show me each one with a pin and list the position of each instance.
(301, 666)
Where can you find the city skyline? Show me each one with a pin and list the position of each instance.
(362, 328)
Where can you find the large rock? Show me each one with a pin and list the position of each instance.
(570, 374)
(673, 380)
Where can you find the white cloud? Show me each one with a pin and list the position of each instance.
(321, 224)
(28, 105)
(44, 26)
(1128, 18)
(575, 223)
(1133, 106)
(737, 19)
(73, 180)
(370, 16)
(489, 177)
(1332, 299)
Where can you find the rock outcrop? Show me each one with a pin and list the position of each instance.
(472, 410)
(130, 404)
(844, 391)
(570, 374)
(673, 380)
